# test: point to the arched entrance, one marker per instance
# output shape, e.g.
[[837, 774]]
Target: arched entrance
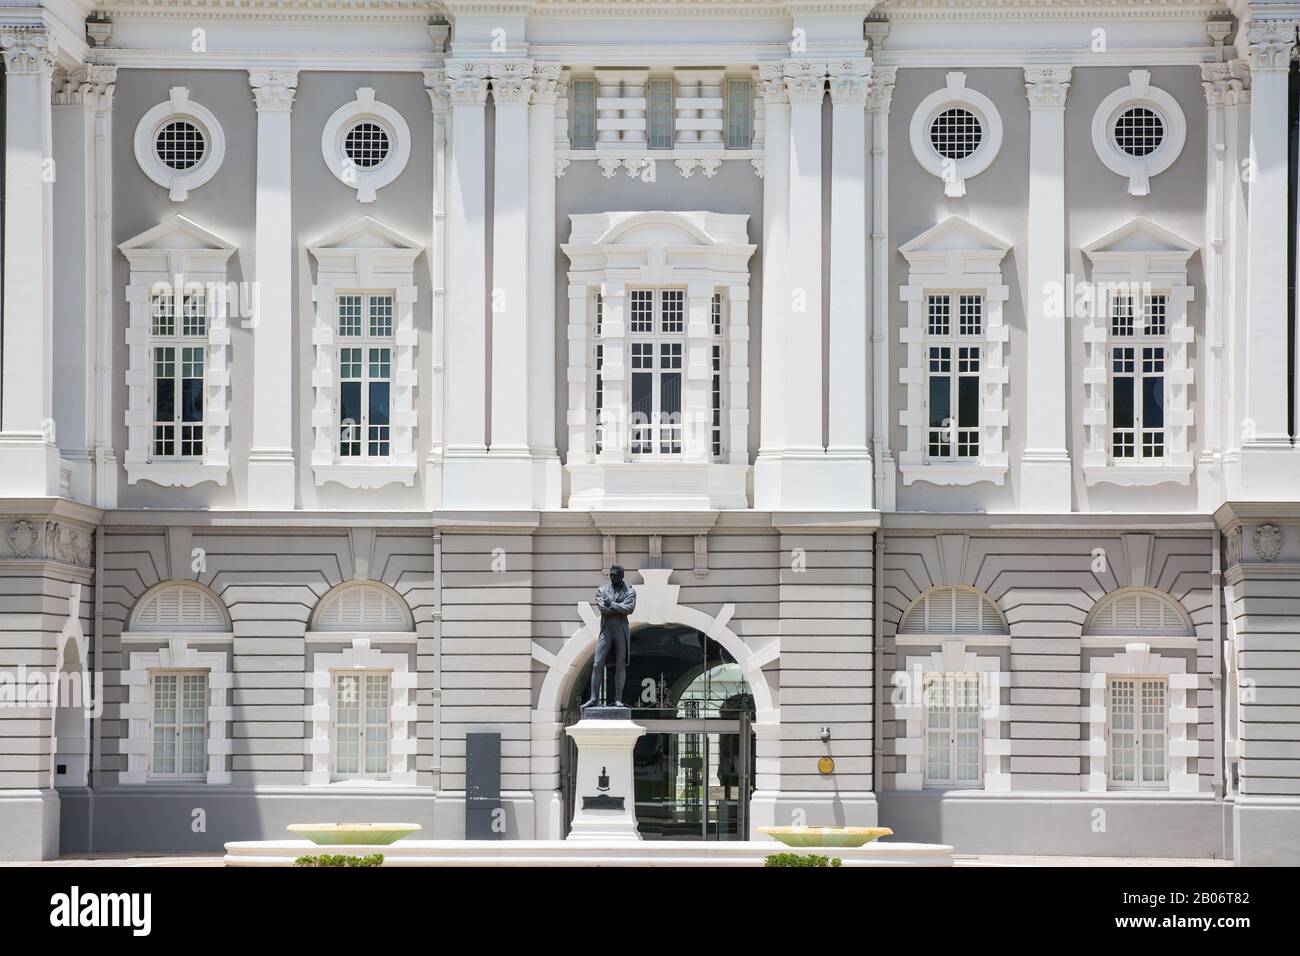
[[694, 767]]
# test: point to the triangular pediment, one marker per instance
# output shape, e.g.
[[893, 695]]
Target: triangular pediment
[[1140, 235], [177, 233], [955, 234], [365, 233]]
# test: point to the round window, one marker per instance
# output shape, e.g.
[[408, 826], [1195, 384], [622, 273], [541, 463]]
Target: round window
[[180, 144], [366, 144], [1139, 131], [956, 133]]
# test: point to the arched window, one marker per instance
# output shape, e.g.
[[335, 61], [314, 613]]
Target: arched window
[[180, 606], [953, 610], [362, 606], [1134, 612]]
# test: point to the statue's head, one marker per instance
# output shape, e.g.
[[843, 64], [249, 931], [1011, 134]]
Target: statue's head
[[616, 574]]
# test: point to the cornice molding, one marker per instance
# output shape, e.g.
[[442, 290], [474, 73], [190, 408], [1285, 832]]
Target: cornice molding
[[345, 11], [898, 11]]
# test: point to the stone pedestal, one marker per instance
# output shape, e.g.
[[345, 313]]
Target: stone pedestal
[[605, 797]]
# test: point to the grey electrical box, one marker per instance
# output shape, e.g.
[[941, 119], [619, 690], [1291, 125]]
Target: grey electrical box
[[483, 787]]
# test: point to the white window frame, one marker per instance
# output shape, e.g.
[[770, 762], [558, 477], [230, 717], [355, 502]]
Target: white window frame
[[177, 251], [178, 655], [612, 254], [955, 172], [954, 656], [365, 108], [1137, 659], [365, 257], [955, 685], [179, 106], [659, 352], [1140, 733], [363, 681], [1139, 259], [359, 654], [179, 773], [1138, 169], [375, 353], [954, 257]]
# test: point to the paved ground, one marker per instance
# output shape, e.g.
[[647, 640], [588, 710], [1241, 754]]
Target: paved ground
[[199, 859]]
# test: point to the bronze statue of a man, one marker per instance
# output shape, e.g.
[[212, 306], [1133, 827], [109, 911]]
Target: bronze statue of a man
[[616, 601]]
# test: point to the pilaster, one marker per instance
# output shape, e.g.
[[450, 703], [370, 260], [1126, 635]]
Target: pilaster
[[272, 483], [466, 327], [1045, 477], [29, 456], [848, 306], [1269, 463]]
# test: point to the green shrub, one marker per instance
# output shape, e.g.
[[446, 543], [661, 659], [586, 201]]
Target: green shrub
[[340, 859], [799, 859]]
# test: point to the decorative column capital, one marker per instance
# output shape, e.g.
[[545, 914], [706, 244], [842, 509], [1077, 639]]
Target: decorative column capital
[[467, 83], [89, 86], [805, 81], [435, 84], [771, 80], [273, 90], [28, 50], [1225, 84], [881, 93], [546, 83], [1046, 86], [512, 82], [1270, 43], [850, 80]]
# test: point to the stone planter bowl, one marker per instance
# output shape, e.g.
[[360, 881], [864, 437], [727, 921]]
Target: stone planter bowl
[[825, 836], [353, 834]]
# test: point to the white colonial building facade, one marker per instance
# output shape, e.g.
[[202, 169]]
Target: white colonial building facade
[[931, 367]]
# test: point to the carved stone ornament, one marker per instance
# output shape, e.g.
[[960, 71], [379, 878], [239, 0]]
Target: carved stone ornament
[[23, 538], [1268, 541]]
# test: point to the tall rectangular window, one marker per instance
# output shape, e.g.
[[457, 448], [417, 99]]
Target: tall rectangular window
[[1137, 378], [599, 403], [582, 114], [953, 734], [716, 381], [656, 366], [178, 356], [362, 724], [954, 324], [659, 114], [740, 114], [178, 724], [365, 354], [1138, 728]]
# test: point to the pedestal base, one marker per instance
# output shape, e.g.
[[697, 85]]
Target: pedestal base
[[605, 794]]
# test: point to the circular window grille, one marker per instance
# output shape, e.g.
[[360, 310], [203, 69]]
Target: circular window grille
[[1139, 131], [956, 133], [366, 144], [180, 144]]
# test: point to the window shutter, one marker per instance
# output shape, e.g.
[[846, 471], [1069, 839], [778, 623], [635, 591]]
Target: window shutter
[[1137, 613], [362, 607], [953, 611], [179, 607]]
